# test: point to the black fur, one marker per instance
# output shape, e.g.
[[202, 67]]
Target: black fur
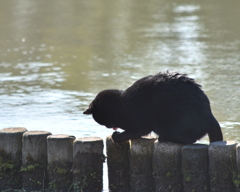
[[170, 104]]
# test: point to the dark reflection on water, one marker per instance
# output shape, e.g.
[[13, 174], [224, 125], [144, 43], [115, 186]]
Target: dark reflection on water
[[56, 55]]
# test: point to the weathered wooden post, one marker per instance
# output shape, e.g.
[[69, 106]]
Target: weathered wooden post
[[118, 165], [60, 159], [222, 165], [167, 166], [34, 160], [141, 155], [88, 161], [11, 157], [195, 168], [237, 177]]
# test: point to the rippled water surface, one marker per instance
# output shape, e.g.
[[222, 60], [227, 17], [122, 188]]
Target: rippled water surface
[[55, 56]]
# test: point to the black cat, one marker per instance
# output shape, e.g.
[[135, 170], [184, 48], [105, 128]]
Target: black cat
[[170, 104]]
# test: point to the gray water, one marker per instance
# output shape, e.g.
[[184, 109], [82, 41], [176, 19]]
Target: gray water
[[55, 56]]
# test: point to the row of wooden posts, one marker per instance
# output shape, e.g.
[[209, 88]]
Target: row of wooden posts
[[40, 161]]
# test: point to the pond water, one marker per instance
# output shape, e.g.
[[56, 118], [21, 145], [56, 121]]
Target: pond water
[[55, 56]]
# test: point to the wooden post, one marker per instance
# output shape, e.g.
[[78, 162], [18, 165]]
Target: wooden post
[[11, 157], [34, 160], [167, 166], [141, 154], [222, 165], [60, 159], [237, 177], [195, 168], [118, 165], [88, 161]]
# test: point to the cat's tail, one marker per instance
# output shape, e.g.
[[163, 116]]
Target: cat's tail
[[215, 133]]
